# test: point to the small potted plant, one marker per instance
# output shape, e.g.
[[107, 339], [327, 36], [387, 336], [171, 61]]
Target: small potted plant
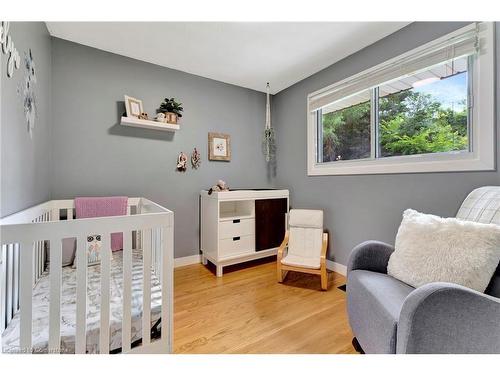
[[171, 109]]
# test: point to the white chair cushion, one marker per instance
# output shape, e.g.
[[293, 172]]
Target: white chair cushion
[[303, 262], [305, 242], [306, 218], [306, 239]]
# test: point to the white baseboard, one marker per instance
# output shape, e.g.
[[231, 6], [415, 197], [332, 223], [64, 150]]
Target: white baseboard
[[336, 267], [186, 261], [194, 259]]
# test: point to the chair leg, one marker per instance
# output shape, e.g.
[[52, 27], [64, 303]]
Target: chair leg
[[356, 346], [324, 279], [279, 273]]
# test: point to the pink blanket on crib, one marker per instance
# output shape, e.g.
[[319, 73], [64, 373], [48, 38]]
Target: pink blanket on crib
[[86, 207]]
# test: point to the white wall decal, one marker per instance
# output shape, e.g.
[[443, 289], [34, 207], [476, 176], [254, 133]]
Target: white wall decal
[[8, 48], [28, 91]]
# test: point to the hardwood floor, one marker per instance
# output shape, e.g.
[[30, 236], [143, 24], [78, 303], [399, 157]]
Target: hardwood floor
[[248, 311]]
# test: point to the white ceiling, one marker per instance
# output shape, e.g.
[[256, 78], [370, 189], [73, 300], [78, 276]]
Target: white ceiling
[[246, 54]]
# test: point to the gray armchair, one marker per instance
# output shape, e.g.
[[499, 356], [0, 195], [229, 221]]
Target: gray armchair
[[389, 316]]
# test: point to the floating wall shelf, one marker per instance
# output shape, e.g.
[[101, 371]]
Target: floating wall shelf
[[148, 124]]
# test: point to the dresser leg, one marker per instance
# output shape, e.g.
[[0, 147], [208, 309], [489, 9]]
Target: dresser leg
[[203, 260], [219, 271]]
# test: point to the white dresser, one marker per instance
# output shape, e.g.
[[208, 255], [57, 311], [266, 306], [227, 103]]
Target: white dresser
[[242, 225]]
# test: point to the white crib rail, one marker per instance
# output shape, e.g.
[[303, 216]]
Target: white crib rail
[[10, 269], [27, 234], [9, 283]]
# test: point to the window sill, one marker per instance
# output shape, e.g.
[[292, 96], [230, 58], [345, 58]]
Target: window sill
[[461, 162]]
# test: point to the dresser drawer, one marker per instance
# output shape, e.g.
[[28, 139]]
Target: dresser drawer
[[236, 245], [236, 228]]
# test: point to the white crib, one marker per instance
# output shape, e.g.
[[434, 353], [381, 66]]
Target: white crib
[[25, 236]]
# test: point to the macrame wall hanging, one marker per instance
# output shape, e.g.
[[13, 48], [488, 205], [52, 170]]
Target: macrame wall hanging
[[268, 141]]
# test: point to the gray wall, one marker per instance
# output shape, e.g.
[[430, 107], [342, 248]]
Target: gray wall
[[94, 155], [91, 154], [25, 161], [358, 208]]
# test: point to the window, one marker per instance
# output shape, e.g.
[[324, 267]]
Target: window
[[426, 111], [345, 128]]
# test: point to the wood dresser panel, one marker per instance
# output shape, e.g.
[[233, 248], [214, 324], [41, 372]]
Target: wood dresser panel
[[269, 222]]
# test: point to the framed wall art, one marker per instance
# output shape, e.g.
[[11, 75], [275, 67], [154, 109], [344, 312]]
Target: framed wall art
[[133, 106], [219, 147]]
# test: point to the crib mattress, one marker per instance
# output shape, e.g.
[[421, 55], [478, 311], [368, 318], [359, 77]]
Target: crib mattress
[[41, 299]]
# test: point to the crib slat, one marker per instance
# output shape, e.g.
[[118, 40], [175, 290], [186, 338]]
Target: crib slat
[[158, 251], [69, 214], [26, 284], [55, 295], [170, 287], [153, 242], [43, 255], [127, 291], [146, 287], [161, 238], [35, 250], [35, 259], [35, 255], [10, 281], [35, 262], [40, 262], [40, 258], [55, 214], [16, 279], [167, 287], [3, 287], [153, 247], [105, 283], [81, 296]]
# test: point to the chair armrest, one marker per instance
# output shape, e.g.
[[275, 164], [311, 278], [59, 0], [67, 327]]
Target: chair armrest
[[283, 246], [448, 318], [370, 256]]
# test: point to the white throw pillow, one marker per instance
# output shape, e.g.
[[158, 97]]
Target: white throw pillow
[[430, 248]]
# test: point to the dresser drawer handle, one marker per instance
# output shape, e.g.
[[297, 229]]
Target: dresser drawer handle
[[236, 238], [235, 221]]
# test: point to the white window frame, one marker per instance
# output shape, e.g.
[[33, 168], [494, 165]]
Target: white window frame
[[482, 127]]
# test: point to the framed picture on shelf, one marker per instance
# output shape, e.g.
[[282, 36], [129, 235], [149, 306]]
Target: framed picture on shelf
[[133, 106], [219, 147]]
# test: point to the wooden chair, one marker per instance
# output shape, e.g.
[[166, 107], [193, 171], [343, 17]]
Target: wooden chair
[[304, 246]]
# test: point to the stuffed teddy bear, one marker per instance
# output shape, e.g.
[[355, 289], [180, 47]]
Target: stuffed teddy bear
[[221, 186]]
